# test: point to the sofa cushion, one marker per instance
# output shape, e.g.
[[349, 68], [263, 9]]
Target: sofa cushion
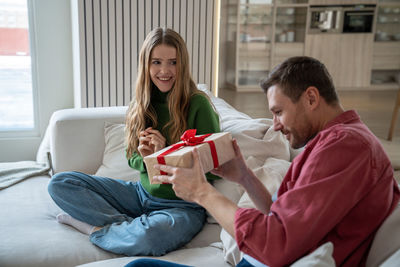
[[321, 257], [114, 164], [206, 256], [77, 137], [30, 234]]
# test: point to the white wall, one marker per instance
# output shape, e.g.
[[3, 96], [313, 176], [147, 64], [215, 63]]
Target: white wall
[[52, 23]]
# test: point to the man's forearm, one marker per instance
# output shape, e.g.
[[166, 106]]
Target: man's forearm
[[260, 196], [220, 207], [223, 209]]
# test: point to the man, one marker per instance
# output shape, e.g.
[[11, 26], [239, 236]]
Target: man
[[339, 189]]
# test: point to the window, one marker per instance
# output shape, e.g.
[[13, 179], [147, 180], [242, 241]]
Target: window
[[17, 112]]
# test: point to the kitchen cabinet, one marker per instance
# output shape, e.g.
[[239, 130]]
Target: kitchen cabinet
[[386, 56], [386, 49], [388, 22], [283, 51], [249, 36], [260, 34], [290, 24], [348, 63]]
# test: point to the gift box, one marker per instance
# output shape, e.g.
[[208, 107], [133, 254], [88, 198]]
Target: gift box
[[214, 149]]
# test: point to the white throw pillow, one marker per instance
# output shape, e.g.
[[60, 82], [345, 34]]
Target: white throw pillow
[[255, 137], [271, 173], [321, 257], [115, 165]]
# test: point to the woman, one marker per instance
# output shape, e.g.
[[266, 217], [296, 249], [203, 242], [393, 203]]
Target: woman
[[139, 218]]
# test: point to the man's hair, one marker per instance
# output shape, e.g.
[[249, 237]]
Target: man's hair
[[296, 74]]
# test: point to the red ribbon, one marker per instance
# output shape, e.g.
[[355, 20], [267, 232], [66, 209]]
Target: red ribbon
[[189, 138]]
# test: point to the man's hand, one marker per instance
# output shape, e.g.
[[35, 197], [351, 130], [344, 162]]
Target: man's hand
[[234, 170], [189, 184], [237, 171]]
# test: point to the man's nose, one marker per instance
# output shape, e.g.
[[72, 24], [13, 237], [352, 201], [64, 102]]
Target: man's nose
[[277, 124]]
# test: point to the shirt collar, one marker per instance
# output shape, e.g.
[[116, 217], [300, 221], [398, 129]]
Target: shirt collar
[[344, 118]]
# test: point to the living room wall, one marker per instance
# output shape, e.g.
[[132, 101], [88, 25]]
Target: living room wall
[[54, 80]]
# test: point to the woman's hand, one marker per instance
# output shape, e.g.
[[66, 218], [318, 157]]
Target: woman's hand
[[150, 141], [157, 140], [144, 146]]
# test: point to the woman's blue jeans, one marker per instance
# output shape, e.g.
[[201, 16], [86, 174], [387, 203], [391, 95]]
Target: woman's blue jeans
[[134, 222]]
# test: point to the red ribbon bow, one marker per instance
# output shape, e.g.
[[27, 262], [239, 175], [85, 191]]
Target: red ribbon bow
[[189, 138]]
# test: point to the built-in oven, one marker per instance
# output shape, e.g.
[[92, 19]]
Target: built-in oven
[[341, 19], [357, 19]]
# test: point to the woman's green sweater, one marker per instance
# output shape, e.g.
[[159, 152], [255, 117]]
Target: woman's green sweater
[[201, 116]]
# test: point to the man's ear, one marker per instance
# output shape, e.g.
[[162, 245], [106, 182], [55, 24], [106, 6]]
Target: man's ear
[[312, 97]]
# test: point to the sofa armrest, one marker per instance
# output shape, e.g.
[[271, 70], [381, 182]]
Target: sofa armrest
[[77, 137]]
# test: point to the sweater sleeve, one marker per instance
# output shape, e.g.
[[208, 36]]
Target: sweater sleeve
[[201, 116], [136, 162]]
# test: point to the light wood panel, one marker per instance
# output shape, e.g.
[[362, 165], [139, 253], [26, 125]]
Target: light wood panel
[[254, 49], [348, 57], [248, 63], [341, 2], [386, 55], [283, 51]]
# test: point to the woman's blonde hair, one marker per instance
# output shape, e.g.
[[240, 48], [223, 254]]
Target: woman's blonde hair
[[141, 114]]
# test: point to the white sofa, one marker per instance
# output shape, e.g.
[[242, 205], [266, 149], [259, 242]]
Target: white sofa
[[90, 140]]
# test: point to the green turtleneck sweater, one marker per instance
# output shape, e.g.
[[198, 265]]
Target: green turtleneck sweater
[[201, 116]]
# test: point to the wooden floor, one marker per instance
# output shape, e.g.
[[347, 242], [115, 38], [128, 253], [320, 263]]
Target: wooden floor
[[374, 107]]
